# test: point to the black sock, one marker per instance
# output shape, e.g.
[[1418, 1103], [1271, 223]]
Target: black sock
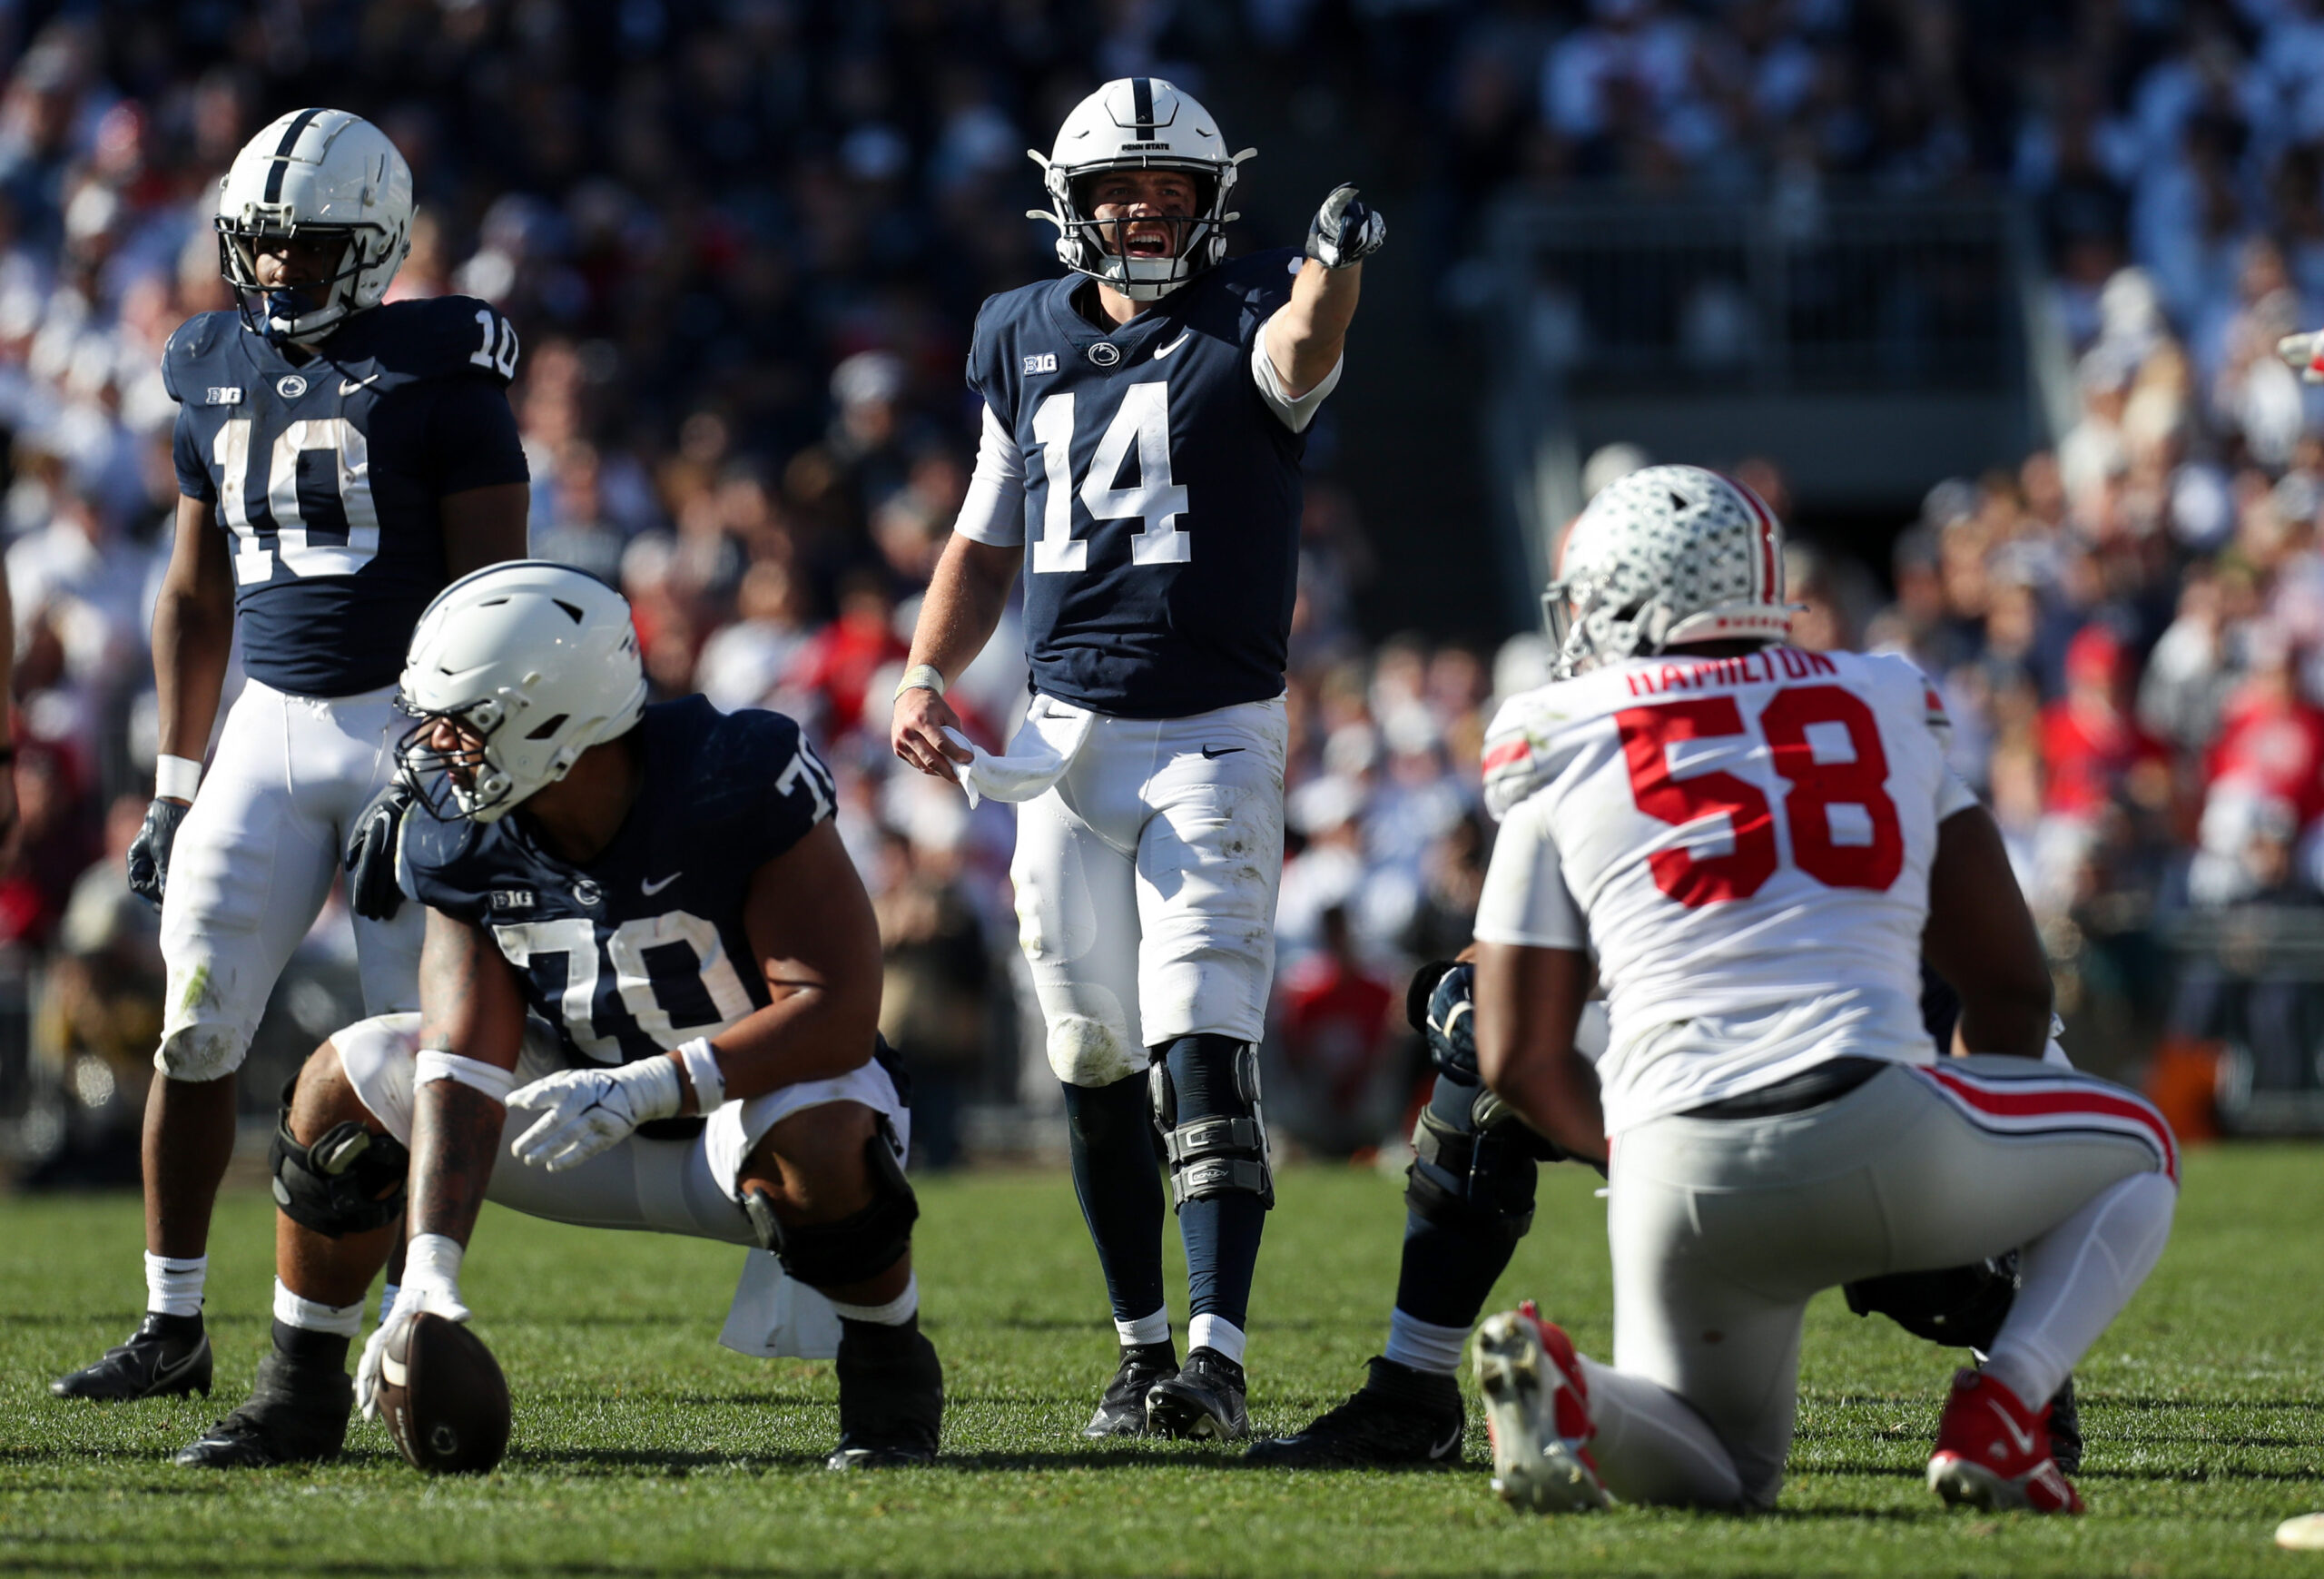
[[310, 1349], [877, 1340], [1111, 1132], [1221, 1231]]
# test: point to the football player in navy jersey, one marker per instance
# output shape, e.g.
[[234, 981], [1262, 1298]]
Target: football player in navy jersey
[[341, 460], [1143, 422], [664, 890]]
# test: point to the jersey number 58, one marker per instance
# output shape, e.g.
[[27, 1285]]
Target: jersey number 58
[[1870, 859]]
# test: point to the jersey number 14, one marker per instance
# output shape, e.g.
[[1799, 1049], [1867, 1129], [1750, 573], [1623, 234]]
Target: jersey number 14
[[1817, 789], [1155, 500]]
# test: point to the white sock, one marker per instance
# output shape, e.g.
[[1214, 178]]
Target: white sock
[[1652, 1447], [2075, 1279], [312, 1316], [173, 1285], [1150, 1328], [895, 1313], [1424, 1346], [388, 1292], [1215, 1332]]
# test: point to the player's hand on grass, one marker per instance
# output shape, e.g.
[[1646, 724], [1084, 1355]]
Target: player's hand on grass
[[918, 734], [431, 1283], [584, 1112], [1346, 231], [149, 854]]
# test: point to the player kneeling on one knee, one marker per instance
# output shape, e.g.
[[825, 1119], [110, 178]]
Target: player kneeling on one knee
[[651, 976], [1752, 847]]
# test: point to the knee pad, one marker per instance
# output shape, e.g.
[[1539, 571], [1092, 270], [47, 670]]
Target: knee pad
[[1223, 1150], [347, 1180], [863, 1244], [1960, 1306], [1476, 1177]]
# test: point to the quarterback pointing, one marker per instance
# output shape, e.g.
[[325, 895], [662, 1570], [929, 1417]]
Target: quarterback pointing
[[651, 972], [339, 461], [1752, 847], [1143, 422]]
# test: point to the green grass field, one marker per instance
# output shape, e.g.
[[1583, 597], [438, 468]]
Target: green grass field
[[643, 1447]]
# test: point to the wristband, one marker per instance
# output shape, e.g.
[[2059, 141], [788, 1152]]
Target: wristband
[[175, 778], [435, 1064], [921, 677], [700, 1061]]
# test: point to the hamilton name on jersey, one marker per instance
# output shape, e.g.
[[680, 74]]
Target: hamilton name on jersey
[[642, 947], [325, 469], [1162, 494]]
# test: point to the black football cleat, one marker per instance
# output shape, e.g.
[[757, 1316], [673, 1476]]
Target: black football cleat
[[2065, 1430], [891, 1405], [1203, 1402], [296, 1413], [1121, 1408], [1400, 1418], [165, 1356]]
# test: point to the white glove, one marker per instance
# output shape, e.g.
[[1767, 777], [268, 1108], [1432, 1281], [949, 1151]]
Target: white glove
[[2305, 352], [431, 1282], [584, 1112]]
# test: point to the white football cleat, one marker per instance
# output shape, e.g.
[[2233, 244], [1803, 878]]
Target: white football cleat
[[1536, 1409]]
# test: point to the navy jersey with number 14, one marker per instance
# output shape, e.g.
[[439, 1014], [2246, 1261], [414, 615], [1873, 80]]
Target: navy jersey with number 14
[[1162, 493]]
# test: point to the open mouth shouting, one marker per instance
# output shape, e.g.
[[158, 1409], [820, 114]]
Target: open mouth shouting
[[1150, 238]]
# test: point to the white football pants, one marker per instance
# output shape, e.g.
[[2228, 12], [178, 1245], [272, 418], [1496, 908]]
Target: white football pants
[[1721, 1228], [254, 860], [1146, 886]]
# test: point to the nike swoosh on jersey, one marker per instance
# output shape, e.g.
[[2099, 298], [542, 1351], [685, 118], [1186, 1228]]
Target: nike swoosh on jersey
[[1173, 345], [1213, 752], [651, 889], [347, 387]]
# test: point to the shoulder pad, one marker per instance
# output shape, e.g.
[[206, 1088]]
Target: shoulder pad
[[1517, 760], [194, 342], [1904, 676], [442, 337]]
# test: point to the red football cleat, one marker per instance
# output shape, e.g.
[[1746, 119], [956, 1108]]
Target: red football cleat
[[1993, 1453], [1537, 1411]]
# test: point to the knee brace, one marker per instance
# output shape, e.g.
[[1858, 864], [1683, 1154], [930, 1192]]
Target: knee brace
[[1477, 1175], [863, 1244], [1222, 1150], [347, 1180], [1960, 1307]]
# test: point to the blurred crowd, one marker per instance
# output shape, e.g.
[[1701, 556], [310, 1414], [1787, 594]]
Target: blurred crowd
[[744, 240]]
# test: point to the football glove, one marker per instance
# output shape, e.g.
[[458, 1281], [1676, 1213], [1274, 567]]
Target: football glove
[[1346, 231], [431, 1282], [149, 854], [2305, 352], [1449, 1024], [372, 891], [584, 1112]]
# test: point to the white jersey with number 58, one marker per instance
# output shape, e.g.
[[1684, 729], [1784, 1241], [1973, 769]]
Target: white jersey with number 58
[[1744, 842]]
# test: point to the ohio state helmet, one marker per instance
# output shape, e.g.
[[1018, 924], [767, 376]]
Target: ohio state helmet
[[536, 660], [1666, 556], [315, 174], [1137, 123]]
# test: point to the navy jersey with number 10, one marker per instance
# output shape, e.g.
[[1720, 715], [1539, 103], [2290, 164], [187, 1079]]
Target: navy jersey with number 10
[[325, 473], [1162, 493]]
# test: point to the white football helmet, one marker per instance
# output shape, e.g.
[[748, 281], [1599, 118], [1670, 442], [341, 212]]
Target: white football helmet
[[538, 661], [1139, 123], [1663, 558], [315, 173]]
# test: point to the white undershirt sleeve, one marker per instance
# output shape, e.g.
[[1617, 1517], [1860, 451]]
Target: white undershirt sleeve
[[1954, 795], [1294, 414], [993, 511], [1525, 899]]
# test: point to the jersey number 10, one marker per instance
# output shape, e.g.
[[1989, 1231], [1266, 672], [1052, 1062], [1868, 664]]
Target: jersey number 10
[[292, 521], [1816, 787]]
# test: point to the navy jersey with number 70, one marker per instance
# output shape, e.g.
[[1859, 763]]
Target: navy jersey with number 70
[[1162, 493], [325, 473], [642, 947]]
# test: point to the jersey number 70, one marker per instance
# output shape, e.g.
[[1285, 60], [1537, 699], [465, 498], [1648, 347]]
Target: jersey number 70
[[1815, 788]]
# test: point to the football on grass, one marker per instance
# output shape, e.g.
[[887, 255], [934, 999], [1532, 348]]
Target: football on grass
[[443, 1397]]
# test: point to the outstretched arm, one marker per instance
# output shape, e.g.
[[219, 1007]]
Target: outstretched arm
[[472, 1009], [957, 618]]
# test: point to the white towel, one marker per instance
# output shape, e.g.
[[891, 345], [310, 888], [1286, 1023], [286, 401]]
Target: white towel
[[1044, 748]]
